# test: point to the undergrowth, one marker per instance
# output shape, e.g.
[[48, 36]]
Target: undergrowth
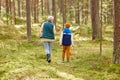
[[26, 60]]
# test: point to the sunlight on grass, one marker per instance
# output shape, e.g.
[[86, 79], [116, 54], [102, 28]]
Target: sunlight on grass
[[26, 60]]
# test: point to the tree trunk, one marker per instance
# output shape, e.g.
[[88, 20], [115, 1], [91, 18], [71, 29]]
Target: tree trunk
[[116, 52], [60, 6], [48, 7], [70, 10], [77, 13], [7, 10], [10, 10], [54, 10], [35, 11], [32, 8], [38, 10], [0, 8], [28, 19], [86, 13], [23, 13], [19, 8], [42, 7], [94, 6], [63, 6], [14, 13]]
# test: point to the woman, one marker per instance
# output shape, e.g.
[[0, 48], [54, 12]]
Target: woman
[[46, 34]]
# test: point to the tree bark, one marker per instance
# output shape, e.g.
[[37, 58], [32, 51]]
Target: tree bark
[[35, 11], [94, 6], [22, 5], [49, 7], [19, 8], [38, 10], [28, 19], [0, 8], [77, 13], [10, 11], [54, 10], [116, 52], [7, 10], [63, 6], [14, 13], [42, 7]]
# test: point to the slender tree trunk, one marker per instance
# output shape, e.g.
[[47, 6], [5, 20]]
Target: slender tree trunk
[[116, 52], [77, 13], [10, 6], [38, 10], [110, 13], [101, 28], [60, 3], [86, 13], [70, 10], [42, 7], [23, 14], [54, 10], [28, 19], [0, 8], [63, 11], [14, 13], [32, 8], [48, 7], [7, 10], [19, 8], [10, 10], [35, 11], [95, 19]]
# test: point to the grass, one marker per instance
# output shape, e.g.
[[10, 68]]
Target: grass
[[26, 60]]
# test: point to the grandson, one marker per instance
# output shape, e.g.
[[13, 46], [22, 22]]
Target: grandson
[[66, 40]]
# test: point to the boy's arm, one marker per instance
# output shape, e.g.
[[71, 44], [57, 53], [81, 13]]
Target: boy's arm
[[72, 40]]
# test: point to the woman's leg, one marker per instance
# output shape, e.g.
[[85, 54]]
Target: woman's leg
[[50, 46], [46, 46], [47, 50]]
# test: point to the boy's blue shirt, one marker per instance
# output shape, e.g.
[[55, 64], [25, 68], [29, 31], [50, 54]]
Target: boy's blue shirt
[[66, 40], [66, 30]]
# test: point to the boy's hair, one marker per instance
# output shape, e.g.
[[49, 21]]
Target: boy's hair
[[67, 25]]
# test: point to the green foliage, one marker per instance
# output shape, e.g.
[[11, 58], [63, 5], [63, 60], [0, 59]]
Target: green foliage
[[83, 30], [114, 69], [22, 59], [20, 20], [8, 32], [19, 58]]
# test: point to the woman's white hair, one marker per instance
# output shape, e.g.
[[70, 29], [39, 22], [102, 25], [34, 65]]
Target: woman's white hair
[[50, 18]]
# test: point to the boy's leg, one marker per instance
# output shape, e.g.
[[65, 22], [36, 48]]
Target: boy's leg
[[68, 53], [63, 53]]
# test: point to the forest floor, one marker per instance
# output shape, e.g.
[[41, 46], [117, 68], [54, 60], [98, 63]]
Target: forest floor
[[26, 60]]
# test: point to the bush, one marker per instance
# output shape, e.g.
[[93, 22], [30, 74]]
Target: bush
[[20, 20]]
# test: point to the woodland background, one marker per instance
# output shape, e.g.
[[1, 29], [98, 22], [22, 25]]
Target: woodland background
[[94, 23]]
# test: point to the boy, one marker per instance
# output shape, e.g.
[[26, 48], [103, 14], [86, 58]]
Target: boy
[[66, 40]]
